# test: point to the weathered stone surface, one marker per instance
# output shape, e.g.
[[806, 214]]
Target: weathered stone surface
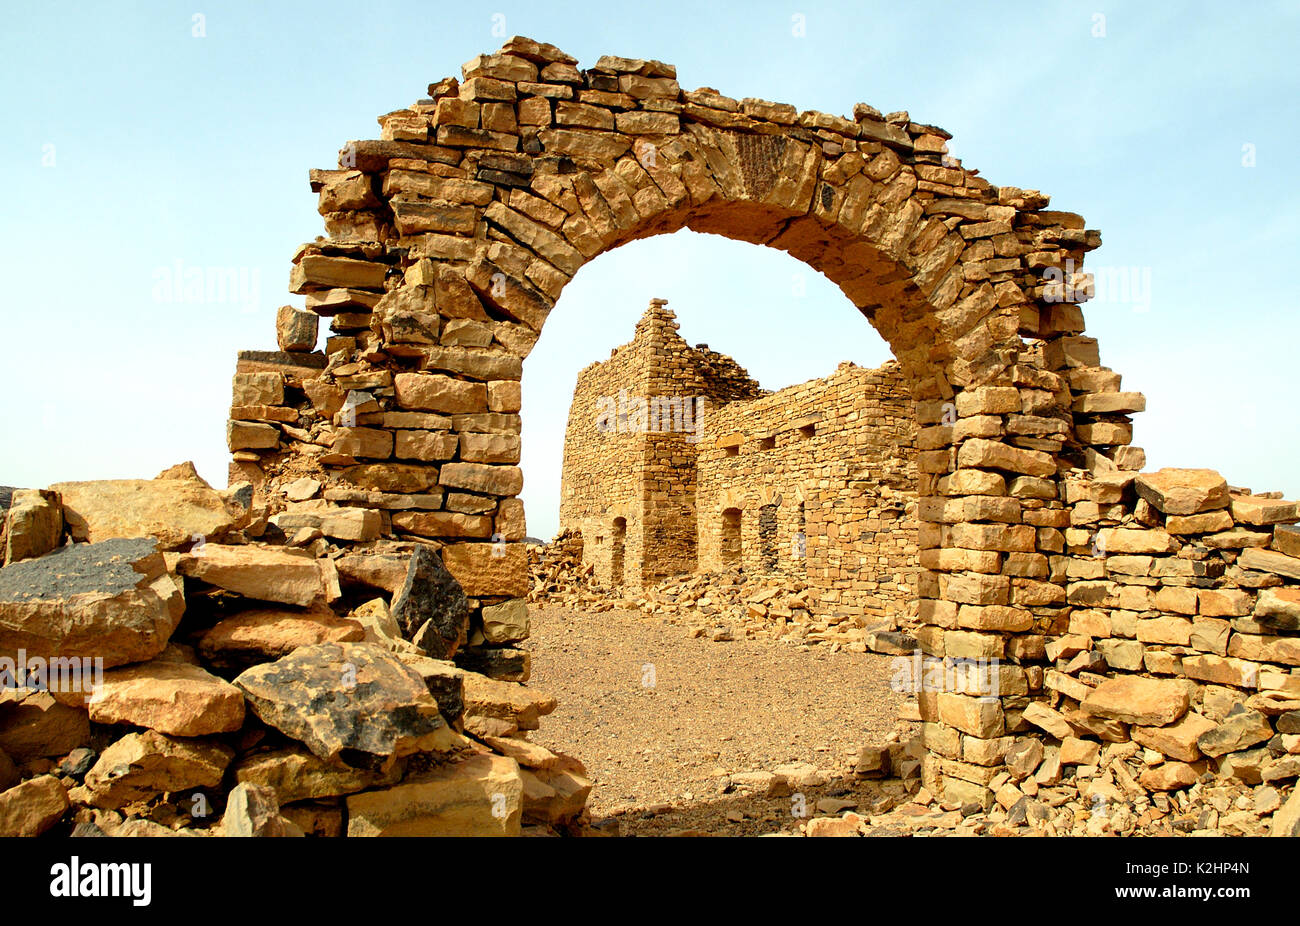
[[1239, 731], [555, 794], [478, 796], [252, 811], [293, 773], [110, 600], [445, 681], [1286, 821], [528, 755], [141, 766], [1177, 740], [33, 724], [1286, 539], [316, 272], [296, 330], [434, 392], [168, 696], [482, 477], [1271, 561], [1043, 717], [443, 524], [988, 454], [1144, 701], [1183, 491], [382, 571], [266, 634], [1260, 511], [519, 707], [1171, 776], [177, 512], [264, 573], [500, 662], [430, 607], [506, 622], [354, 702], [484, 569], [9, 775], [33, 525], [32, 807], [1279, 608]]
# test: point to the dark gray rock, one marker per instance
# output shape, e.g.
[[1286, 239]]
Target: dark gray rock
[[431, 608], [77, 763], [108, 567], [499, 662], [110, 600], [355, 702]]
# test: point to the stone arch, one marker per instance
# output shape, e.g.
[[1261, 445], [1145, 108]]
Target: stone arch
[[457, 230]]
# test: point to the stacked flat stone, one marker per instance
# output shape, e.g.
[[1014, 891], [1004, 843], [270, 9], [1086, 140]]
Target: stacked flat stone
[[451, 237], [300, 695]]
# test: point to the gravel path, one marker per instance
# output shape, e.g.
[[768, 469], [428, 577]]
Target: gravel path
[[661, 718]]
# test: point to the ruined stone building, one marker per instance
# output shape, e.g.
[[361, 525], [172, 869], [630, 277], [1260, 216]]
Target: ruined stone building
[[677, 461]]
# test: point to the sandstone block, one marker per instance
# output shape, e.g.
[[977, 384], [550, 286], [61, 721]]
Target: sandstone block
[[484, 478], [174, 511], [354, 702], [1143, 701], [296, 330], [506, 622], [140, 766], [266, 634], [435, 392], [1183, 491], [1270, 561], [169, 696], [262, 573], [33, 526], [293, 773], [478, 796], [32, 807], [109, 600]]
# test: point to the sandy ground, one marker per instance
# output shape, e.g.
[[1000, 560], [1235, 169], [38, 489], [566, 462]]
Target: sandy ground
[[662, 719]]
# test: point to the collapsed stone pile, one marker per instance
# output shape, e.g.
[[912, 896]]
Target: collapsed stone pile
[[724, 605], [167, 668], [560, 580]]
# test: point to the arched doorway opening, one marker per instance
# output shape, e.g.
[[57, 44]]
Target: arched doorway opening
[[618, 539], [729, 532]]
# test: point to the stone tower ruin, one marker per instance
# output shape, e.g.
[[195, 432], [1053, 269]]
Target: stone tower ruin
[[677, 461]]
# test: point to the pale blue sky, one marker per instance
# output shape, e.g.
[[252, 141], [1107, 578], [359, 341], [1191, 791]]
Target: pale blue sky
[[133, 147]]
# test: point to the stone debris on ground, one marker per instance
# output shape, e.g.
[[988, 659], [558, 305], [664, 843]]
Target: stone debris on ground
[[159, 680], [720, 606], [1143, 625]]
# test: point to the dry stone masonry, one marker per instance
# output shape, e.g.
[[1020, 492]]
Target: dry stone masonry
[[1128, 619], [676, 461], [174, 665], [451, 237]]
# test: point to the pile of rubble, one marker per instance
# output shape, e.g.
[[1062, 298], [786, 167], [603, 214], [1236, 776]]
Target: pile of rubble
[[719, 606], [167, 669], [729, 604], [878, 792], [560, 580]]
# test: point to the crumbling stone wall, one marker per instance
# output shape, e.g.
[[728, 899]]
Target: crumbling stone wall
[[452, 236], [830, 465], [630, 450]]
